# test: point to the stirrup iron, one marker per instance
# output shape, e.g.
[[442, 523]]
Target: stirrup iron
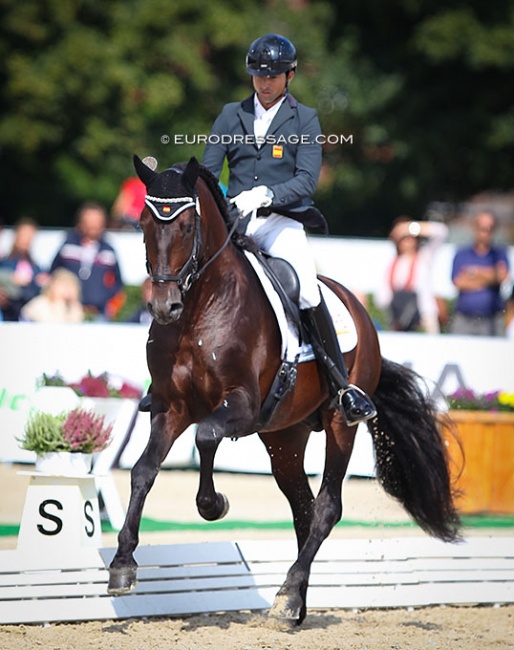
[[372, 412]]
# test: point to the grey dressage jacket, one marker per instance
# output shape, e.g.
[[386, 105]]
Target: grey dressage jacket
[[288, 162]]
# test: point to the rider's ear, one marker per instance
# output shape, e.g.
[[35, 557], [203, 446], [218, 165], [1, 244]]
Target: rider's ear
[[191, 174], [143, 171]]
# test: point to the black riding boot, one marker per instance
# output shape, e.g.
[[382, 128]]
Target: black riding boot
[[145, 404], [355, 405]]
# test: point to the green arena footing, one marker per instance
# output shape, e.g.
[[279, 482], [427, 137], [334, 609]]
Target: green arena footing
[[154, 525]]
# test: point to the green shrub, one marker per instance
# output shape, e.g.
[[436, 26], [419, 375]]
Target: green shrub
[[43, 433]]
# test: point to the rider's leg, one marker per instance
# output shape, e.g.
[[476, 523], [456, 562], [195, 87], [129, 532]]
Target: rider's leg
[[284, 237], [354, 403], [145, 404]]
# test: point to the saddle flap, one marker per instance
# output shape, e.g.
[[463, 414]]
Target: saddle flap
[[287, 277]]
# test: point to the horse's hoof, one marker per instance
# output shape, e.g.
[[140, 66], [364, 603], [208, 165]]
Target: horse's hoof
[[282, 615], [281, 624], [218, 511], [121, 581], [225, 505]]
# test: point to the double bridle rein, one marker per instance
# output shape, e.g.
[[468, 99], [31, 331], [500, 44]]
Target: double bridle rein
[[190, 271]]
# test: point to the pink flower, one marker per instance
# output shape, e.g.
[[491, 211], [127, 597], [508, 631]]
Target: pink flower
[[130, 392], [86, 432]]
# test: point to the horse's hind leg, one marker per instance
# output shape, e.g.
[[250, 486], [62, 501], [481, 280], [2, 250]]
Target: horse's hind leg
[[286, 450], [122, 570], [290, 602]]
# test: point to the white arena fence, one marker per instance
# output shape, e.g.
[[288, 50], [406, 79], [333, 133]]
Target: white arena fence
[[235, 576]]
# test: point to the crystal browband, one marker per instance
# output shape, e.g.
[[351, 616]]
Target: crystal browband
[[161, 207]]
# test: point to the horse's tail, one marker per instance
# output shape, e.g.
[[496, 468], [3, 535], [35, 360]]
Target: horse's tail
[[411, 458]]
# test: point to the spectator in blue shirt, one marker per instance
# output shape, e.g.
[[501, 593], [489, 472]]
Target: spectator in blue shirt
[[87, 254], [478, 272]]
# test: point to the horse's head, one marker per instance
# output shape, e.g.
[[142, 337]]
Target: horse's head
[[171, 227]]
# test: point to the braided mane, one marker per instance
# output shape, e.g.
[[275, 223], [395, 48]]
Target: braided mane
[[241, 241]]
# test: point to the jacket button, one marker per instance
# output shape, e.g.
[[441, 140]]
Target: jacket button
[[255, 178], [259, 156]]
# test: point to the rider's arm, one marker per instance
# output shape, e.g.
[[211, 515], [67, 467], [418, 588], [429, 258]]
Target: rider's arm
[[215, 151], [307, 165]]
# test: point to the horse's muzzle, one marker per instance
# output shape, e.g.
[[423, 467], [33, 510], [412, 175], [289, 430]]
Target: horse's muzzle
[[166, 311]]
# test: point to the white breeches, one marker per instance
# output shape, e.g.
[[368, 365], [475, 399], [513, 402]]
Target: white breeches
[[284, 237]]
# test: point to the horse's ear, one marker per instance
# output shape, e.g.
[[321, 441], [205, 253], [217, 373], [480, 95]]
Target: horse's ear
[[145, 173], [191, 174]]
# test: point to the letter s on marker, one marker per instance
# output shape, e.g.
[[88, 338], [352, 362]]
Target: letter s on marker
[[48, 515]]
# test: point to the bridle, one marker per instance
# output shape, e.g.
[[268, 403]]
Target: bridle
[[190, 271]]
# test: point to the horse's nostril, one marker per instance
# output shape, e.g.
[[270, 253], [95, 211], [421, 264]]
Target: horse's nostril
[[176, 309]]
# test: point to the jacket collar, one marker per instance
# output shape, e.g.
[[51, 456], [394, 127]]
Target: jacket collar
[[285, 112]]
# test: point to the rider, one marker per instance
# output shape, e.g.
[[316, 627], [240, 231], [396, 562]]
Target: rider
[[273, 150]]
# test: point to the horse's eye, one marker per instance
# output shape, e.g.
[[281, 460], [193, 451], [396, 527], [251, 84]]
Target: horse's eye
[[189, 229]]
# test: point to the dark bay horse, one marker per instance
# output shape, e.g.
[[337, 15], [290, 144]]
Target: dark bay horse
[[213, 352]]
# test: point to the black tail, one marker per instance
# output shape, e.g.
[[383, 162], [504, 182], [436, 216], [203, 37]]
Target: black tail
[[412, 463]]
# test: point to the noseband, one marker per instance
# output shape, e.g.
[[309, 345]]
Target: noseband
[[190, 271]]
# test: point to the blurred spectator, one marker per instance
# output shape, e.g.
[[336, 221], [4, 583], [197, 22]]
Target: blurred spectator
[[509, 316], [87, 254], [59, 301], [478, 272], [406, 292], [20, 277], [142, 315], [128, 205], [1, 229]]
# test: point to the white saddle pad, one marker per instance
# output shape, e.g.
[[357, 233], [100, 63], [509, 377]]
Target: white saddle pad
[[291, 349]]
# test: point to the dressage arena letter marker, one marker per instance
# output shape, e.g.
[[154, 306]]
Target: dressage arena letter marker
[[48, 515], [61, 514]]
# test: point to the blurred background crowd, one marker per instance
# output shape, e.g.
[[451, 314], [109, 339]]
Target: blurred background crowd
[[421, 92]]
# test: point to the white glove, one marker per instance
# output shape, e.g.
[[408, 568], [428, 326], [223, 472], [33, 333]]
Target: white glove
[[251, 200]]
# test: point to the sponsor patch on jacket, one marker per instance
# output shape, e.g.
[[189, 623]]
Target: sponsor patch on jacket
[[278, 151]]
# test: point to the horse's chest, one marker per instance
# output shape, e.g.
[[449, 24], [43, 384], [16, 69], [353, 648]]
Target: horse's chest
[[197, 369]]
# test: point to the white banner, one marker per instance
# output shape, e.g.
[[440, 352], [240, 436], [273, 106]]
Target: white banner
[[27, 350]]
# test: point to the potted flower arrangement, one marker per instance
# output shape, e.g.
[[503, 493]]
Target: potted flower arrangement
[[65, 443], [483, 458], [94, 386], [107, 395]]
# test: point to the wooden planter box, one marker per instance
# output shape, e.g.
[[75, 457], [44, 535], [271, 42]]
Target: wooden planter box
[[487, 478]]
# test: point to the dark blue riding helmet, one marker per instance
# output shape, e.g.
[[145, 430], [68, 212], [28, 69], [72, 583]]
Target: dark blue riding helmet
[[270, 55]]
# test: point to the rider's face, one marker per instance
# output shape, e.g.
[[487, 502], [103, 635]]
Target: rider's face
[[271, 89]]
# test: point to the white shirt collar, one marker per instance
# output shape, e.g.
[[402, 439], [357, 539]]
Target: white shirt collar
[[263, 118], [259, 110]]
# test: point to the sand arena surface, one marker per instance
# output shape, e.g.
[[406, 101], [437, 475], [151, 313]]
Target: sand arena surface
[[452, 628], [257, 498]]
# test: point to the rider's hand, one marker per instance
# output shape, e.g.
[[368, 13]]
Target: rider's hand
[[251, 200]]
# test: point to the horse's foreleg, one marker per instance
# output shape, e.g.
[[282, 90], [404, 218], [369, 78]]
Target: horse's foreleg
[[233, 417], [290, 602], [122, 570]]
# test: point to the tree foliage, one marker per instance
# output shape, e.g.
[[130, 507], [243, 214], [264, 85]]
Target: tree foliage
[[425, 89]]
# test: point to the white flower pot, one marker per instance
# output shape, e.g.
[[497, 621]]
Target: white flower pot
[[64, 463]]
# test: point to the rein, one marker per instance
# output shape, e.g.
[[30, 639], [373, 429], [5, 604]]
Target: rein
[[190, 272]]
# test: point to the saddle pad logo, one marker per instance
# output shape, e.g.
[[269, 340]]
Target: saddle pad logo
[[278, 151]]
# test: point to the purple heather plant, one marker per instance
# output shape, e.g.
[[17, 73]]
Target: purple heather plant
[[467, 399], [86, 432]]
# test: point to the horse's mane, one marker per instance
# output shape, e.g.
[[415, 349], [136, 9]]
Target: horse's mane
[[241, 241]]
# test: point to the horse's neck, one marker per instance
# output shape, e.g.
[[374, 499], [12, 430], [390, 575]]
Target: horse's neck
[[215, 232]]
